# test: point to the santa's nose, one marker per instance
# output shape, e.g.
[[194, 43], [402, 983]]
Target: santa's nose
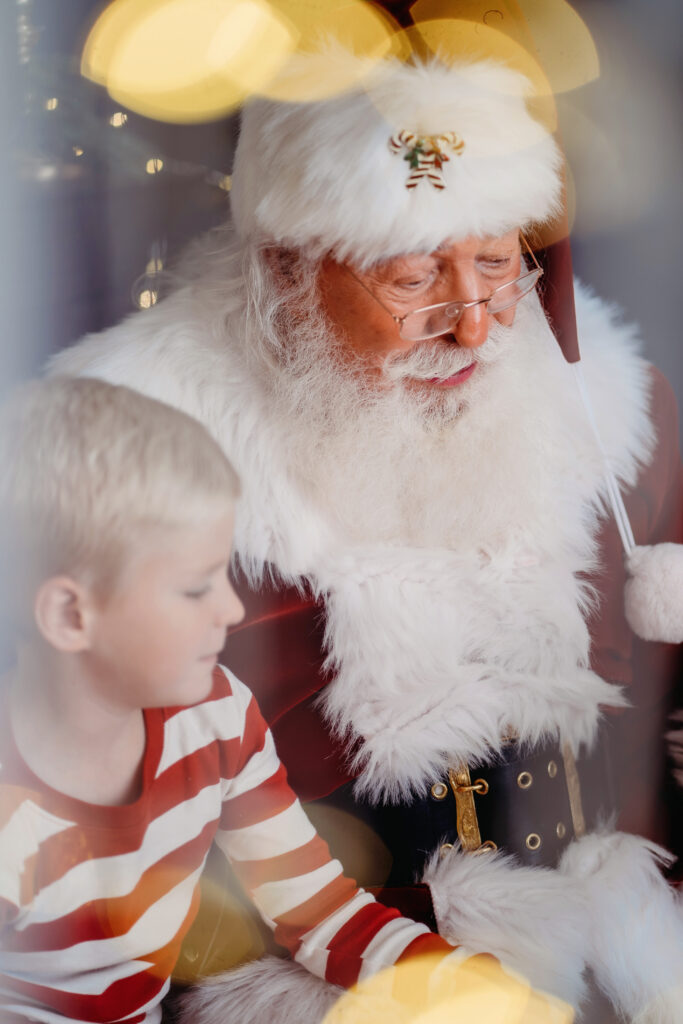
[[472, 329]]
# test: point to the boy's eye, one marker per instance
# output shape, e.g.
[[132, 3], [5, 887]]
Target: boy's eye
[[196, 594]]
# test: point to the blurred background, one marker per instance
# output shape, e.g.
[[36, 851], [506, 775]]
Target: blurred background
[[99, 198]]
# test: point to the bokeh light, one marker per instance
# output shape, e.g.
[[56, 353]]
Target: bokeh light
[[550, 31], [364, 855], [186, 61], [433, 990], [458, 39], [325, 26], [194, 60]]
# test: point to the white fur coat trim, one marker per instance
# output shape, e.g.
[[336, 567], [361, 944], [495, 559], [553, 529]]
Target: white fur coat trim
[[437, 656], [533, 919], [634, 925], [606, 908]]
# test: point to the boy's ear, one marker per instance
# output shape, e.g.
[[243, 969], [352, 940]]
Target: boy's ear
[[62, 613]]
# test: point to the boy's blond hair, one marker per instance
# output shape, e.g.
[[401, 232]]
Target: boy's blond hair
[[87, 469]]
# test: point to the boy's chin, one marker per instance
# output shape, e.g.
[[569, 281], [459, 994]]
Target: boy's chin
[[194, 691]]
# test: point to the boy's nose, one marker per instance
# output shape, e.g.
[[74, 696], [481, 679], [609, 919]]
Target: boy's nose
[[230, 609]]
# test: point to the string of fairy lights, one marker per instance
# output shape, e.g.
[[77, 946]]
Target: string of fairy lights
[[64, 138], [192, 62]]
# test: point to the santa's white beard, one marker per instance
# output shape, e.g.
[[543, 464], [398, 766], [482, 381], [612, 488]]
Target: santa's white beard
[[410, 463]]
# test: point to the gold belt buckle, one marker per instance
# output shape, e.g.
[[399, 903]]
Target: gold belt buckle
[[466, 820]]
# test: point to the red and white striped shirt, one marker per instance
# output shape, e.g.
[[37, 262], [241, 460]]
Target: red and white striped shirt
[[95, 900]]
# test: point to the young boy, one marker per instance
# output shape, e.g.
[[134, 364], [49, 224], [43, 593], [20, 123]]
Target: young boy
[[125, 751]]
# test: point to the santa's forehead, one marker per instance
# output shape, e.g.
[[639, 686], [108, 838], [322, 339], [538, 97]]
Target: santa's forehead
[[455, 249]]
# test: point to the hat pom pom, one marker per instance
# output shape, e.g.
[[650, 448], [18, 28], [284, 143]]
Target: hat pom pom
[[653, 597]]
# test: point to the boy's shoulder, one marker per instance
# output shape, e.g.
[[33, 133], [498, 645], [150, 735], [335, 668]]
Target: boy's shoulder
[[214, 733]]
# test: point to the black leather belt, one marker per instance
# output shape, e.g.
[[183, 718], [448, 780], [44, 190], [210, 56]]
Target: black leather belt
[[527, 804], [530, 803]]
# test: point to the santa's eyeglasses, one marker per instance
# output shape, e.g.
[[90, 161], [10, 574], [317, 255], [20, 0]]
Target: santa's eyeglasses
[[431, 321]]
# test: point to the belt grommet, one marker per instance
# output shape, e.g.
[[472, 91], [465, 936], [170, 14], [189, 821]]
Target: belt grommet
[[533, 841], [439, 790], [481, 787], [444, 848], [552, 769], [561, 830], [524, 780]]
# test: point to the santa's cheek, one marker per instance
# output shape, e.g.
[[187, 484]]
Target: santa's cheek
[[507, 317]]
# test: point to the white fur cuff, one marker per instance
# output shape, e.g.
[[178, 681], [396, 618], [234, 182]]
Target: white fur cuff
[[532, 919], [267, 990], [635, 927]]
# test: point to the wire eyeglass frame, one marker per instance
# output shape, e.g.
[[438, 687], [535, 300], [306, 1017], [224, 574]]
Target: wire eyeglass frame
[[512, 292]]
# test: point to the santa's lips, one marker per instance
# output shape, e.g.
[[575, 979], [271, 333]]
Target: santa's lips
[[453, 381]]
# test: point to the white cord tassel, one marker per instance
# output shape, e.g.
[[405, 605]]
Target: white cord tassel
[[653, 597], [614, 494]]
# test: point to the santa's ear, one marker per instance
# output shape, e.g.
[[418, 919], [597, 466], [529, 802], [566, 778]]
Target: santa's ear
[[62, 613]]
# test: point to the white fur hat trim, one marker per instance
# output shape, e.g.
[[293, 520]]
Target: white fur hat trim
[[653, 598], [322, 174]]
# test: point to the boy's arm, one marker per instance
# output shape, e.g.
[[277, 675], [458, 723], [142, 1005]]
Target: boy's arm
[[331, 927]]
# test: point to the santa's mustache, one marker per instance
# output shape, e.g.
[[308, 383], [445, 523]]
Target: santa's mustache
[[441, 358]]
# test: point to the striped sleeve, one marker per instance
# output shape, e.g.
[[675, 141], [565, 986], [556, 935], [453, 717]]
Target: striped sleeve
[[333, 928]]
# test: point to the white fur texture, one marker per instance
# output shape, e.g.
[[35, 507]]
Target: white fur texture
[[323, 166], [634, 927], [653, 598], [436, 656], [533, 919], [267, 990]]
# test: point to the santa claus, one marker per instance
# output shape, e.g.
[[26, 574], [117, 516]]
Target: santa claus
[[433, 583]]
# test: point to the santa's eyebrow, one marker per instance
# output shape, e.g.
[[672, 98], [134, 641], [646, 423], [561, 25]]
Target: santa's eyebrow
[[400, 264]]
